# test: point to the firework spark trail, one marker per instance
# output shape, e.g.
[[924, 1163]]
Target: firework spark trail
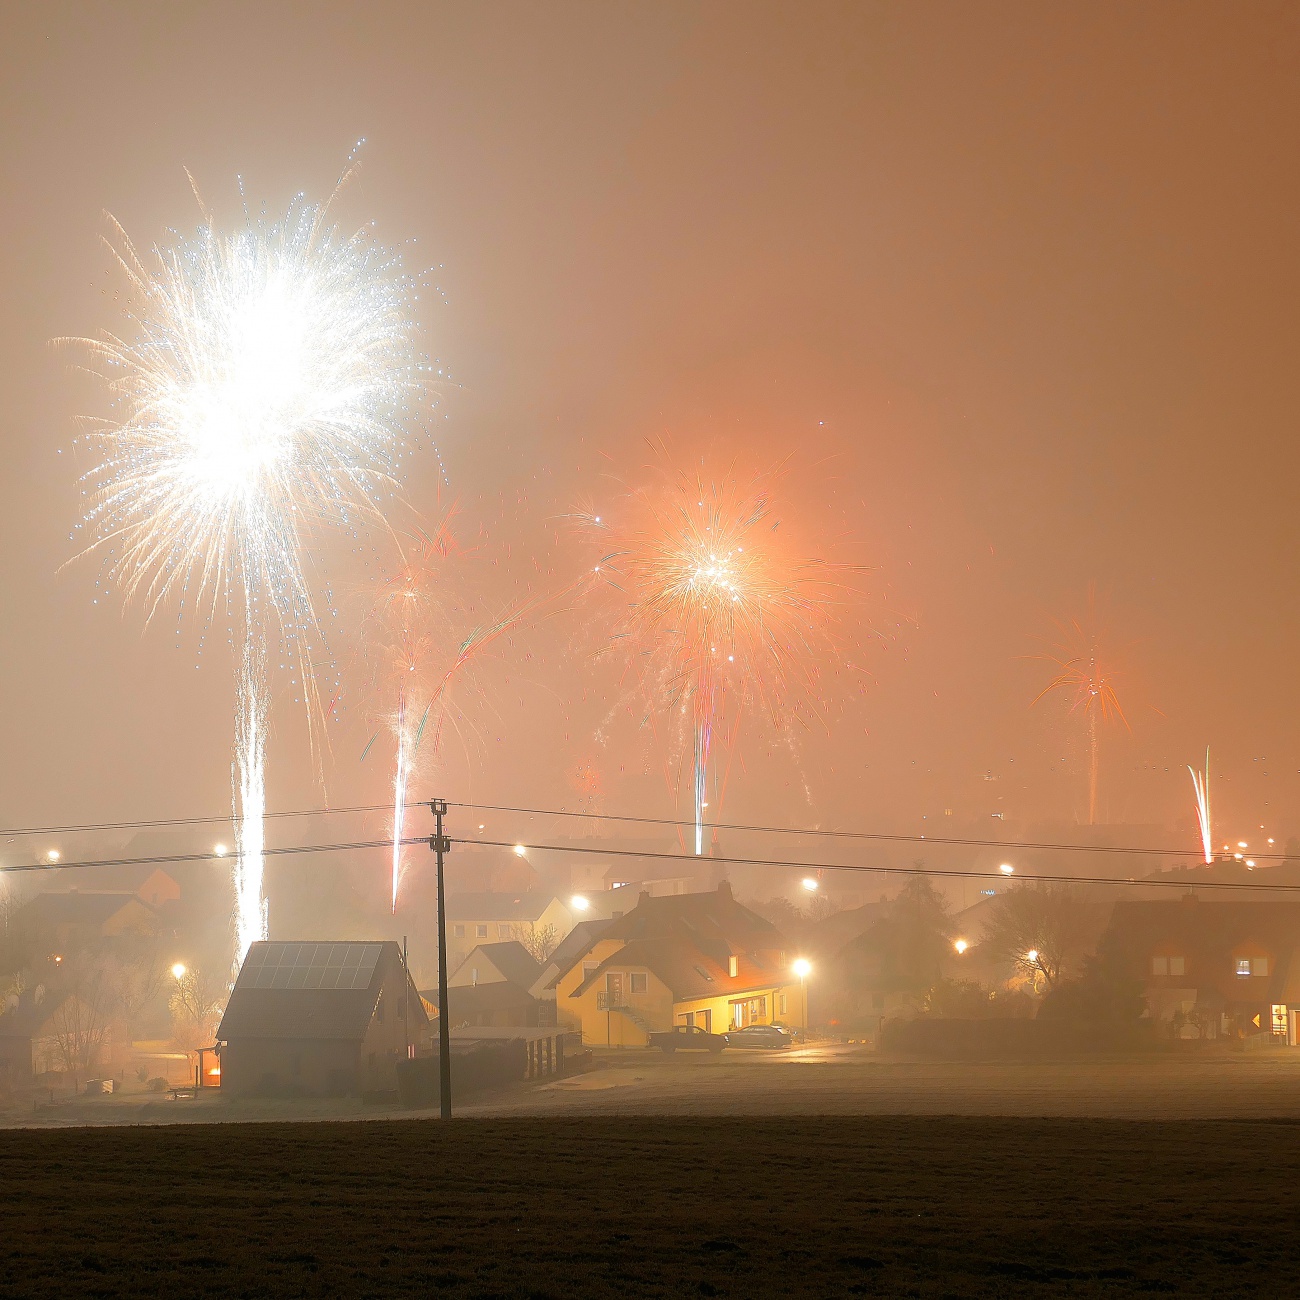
[[1092, 689], [416, 640], [715, 614], [264, 394], [1201, 784]]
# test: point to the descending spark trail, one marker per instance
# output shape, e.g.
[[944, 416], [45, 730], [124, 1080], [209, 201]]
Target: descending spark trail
[[1201, 784], [421, 650], [1091, 686], [714, 612], [262, 395]]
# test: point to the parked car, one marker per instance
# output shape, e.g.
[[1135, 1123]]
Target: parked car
[[765, 1036], [689, 1038]]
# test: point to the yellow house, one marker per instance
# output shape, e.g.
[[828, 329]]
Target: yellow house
[[688, 959]]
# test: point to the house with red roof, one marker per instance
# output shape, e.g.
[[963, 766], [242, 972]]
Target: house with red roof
[[680, 959]]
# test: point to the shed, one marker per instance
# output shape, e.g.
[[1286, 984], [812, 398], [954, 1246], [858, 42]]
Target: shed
[[315, 1019]]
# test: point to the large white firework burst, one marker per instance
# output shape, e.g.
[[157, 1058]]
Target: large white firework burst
[[264, 391]]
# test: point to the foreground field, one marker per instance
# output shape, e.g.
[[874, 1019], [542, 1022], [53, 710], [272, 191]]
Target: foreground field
[[653, 1207], [827, 1080]]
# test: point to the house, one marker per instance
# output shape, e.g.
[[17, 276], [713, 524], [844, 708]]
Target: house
[[536, 918], [1211, 969], [320, 1019], [53, 1036], [492, 987], [69, 922], [685, 959]]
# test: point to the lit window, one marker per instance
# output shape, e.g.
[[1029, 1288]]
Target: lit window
[[783, 1004], [733, 966], [1159, 965], [1243, 965], [638, 981], [1177, 966], [1279, 1019]]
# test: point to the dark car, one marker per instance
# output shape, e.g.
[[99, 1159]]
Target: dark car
[[766, 1036], [690, 1038]]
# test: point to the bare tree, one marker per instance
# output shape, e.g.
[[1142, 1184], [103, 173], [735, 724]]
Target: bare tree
[[81, 1025], [196, 1004], [1039, 929], [135, 973], [540, 941]]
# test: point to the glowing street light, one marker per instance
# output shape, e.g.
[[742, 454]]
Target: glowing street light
[[220, 850], [1007, 869], [802, 967], [579, 904], [1032, 956], [960, 946], [520, 850], [178, 970], [52, 855], [810, 884]]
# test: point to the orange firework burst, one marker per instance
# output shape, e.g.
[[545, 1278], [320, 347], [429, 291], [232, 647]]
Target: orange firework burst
[[716, 613], [1082, 672]]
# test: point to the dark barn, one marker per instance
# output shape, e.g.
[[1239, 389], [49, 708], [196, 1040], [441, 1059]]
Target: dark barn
[[314, 1019]]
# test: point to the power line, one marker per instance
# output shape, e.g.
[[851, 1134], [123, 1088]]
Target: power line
[[154, 823], [891, 871], [872, 836], [160, 859]]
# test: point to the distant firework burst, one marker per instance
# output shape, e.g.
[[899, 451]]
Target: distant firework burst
[[421, 641], [263, 392], [715, 613], [1088, 680]]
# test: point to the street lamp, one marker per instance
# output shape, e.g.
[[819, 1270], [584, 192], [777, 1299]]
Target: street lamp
[[810, 884], [178, 971], [803, 968], [960, 946], [220, 850], [578, 903], [1007, 869], [520, 850]]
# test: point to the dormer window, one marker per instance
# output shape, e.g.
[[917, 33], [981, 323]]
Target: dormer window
[[1247, 966], [733, 966], [1168, 966]]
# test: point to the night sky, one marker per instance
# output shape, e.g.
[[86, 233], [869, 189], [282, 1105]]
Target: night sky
[[1014, 287]]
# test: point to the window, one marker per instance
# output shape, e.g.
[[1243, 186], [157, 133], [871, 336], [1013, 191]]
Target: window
[[1177, 966], [639, 982], [1279, 1019], [458, 931], [1243, 965], [1159, 965], [784, 1005], [503, 931], [733, 966], [480, 931], [1252, 966]]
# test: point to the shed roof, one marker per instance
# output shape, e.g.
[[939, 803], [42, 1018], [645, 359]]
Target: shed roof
[[518, 966], [310, 991]]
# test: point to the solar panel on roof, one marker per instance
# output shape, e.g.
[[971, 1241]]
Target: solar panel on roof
[[310, 966]]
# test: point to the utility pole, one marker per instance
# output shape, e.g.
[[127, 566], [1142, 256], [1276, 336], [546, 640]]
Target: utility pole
[[441, 846]]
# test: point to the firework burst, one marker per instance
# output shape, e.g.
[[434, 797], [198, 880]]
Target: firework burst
[[716, 615], [262, 392], [1090, 685], [421, 644]]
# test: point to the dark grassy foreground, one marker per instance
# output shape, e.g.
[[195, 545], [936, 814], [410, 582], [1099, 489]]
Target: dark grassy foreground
[[604, 1206]]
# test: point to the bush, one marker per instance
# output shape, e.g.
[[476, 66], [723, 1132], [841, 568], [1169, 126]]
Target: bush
[[157, 1085]]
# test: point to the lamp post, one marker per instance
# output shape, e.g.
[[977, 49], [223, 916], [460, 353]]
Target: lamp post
[[441, 845], [803, 967]]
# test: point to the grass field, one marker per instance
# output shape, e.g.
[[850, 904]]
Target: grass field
[[645, 1206]]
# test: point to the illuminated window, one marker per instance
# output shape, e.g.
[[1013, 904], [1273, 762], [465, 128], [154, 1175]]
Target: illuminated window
[[1279, 1019], [1243, 965], [784, 1007], [733, 966], [639, 982]]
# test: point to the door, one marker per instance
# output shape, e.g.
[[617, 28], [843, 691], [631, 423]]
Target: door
[[614, 988]]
